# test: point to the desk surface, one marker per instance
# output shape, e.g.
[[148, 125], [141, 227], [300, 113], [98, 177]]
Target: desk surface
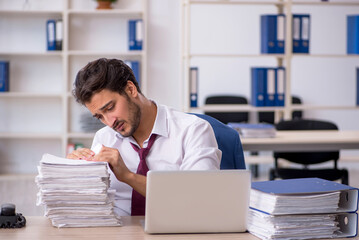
[[40, 228], [304, 140]]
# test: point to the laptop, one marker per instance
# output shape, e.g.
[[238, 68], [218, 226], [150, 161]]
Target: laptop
[[197, 201]]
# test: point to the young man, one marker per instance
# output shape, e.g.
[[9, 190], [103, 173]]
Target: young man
[[140, 134]]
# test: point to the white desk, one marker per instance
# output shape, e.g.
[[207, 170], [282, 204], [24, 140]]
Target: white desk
[[304, 141], [40, 228]]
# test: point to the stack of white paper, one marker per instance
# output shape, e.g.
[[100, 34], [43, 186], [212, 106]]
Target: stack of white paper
[[76, 192], [259, 130]]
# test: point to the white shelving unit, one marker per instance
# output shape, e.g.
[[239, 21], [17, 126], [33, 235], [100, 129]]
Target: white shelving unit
[[39, 114], [288, 7]]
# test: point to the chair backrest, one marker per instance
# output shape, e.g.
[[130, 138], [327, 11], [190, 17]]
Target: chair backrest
[[226, 117], [268, 117], [228, 142], [307, 158]]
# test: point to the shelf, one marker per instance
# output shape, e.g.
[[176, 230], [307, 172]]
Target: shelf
[[44, 136], [31, 12], [226, 2], [218, 55], [250, 108], [29, 95], [122, 12], [33, 54], [102, 53], [326, 3]]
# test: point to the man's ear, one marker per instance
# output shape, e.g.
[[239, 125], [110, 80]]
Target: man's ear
[[131, 89]]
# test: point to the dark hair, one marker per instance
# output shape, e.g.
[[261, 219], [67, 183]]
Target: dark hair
[[111, 74]]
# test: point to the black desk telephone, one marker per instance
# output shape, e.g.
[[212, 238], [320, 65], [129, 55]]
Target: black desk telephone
[[10, 219]]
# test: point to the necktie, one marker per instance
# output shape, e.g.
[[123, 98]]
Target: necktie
[[138, 201]]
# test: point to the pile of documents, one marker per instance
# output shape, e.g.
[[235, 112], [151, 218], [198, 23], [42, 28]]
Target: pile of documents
[[304, 208], [259, 130], [76, 193]]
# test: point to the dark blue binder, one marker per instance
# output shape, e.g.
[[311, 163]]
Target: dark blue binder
[[270, 97], [135, 34], [272, 33], [4, 76], [310, 186], [304, 33], [296, 34], [358, 86], [353, 34], [193, 86], [258, 86], [135, 66], [280, 87], [51, 34]]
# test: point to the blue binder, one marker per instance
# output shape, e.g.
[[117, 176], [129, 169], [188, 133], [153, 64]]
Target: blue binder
[[135, 34], [271, 87], [135, 66], [353, 34], [304, 33], [193, 86], [310, 186], [4, 76], [280, 87], [272, 33], [258, 86], [357, 86], [51, 34], [296, 34]]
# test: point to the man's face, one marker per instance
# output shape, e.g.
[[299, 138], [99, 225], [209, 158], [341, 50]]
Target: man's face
[[116, 111]]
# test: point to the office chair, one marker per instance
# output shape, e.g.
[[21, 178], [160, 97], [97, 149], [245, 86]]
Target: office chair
[[308, 158], [228, 142], [226, 117], [268, 117]]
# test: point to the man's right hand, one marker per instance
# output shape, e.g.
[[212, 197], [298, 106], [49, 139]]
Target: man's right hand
[[82, 153]]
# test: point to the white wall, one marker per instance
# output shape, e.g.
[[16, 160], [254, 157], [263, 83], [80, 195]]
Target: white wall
[[318, 81]]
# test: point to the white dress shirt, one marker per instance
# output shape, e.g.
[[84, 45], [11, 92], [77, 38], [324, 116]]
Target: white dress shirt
[[184, 142]]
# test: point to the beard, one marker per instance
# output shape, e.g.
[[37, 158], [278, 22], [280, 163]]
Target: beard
[[134, 118]]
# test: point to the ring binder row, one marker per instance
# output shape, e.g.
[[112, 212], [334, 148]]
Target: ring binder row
[[267, 86], [54, 34], [273, 33], [304, 208], [135, 66]]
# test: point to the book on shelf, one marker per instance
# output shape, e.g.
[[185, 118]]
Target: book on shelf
[[59, 34], [51, 34], [357, 87], [54, 34], [280, 87], [353, 34], [76, 193], [90, 124], [135, 34], [267, 86], [301, 33], [250, 130], [193, 86], [135, 66], [272, 33], [4, 76], [302, 208]]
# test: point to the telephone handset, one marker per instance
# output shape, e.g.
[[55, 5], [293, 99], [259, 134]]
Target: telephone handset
[[10, 219]]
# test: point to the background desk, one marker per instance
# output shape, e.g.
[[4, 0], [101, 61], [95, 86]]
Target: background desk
[[304, 140], [40, 228]]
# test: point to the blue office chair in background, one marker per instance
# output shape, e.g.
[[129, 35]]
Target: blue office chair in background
[[228, 142]]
